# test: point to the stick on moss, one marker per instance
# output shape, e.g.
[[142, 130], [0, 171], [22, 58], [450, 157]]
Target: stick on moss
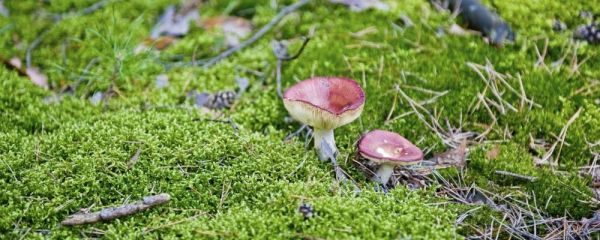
[[112, 213]]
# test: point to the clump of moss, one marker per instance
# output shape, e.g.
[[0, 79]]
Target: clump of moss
[[59, 157]]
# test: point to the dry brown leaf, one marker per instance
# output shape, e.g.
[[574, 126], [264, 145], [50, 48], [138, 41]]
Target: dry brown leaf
[[453, 157], [162, 42], [37, 77], [34, 74], [15, 62], [171, 25], [159, 44], [176, 23], [234, 28]]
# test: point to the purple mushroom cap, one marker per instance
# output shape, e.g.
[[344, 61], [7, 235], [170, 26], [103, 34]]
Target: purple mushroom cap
[[389, 147], [325, 102]]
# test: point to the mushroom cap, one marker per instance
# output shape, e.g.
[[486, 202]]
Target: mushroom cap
[[325, 102], [389, 147]]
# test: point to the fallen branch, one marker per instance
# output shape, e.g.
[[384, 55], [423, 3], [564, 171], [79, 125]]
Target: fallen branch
[[264, 30], [112, 213]]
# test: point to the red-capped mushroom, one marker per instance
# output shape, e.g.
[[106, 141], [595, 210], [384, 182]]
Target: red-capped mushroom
[[325, 103], [390, 150]]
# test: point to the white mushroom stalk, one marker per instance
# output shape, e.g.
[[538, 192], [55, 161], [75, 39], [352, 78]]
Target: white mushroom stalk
[[384, 173], [325, 103], [324, 136]]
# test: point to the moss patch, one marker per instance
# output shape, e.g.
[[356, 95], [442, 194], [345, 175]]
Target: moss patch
[[59, 157]]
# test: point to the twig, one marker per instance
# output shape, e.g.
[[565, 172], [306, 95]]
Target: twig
[[511, 174], [264, 30], [32, 46], [296, 133], [112, 213], [281, 53]]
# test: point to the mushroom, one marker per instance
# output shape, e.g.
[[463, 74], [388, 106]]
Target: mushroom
[[389, 150], [325, 103]]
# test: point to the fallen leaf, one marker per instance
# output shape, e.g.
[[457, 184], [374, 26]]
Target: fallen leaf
[[159, 44], [361, 5], [34, 74], [37, 77], [454, 157], [234, 28], [176, 23], [15, 62]]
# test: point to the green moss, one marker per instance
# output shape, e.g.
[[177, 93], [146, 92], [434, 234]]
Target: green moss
[[59, 157]]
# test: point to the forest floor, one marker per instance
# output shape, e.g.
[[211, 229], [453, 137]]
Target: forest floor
[[105, 121]]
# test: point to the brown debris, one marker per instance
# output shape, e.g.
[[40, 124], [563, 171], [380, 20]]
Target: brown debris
[[401, 176], [416, 176], [171, 25], [112, 213], [452, 158], [521, 219], [33, 73], [409, 178], [234, 28], [258, 34]]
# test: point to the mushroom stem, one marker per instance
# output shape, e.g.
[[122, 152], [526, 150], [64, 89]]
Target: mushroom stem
[[326, 135], [384, 173]]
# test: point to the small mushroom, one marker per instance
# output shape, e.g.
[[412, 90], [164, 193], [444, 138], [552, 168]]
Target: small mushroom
[[325, 103], [389, 150]]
